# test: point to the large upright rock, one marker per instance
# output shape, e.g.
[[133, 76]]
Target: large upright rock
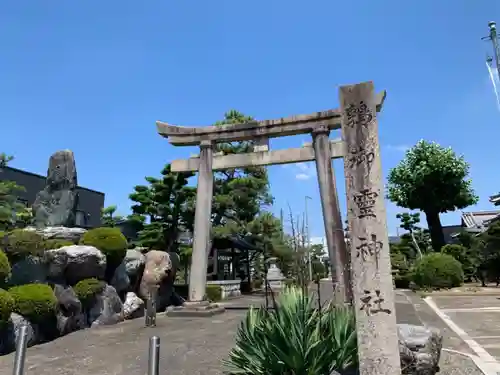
[[56, 204]]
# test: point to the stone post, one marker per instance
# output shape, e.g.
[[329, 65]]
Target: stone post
[[202, 224], [378, 348], [331, 214]]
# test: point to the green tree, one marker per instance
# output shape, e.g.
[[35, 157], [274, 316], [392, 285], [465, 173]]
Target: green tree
[[109, 217], [432, 179], [163, 209], [9, 205], [409, 222], [239, 193]]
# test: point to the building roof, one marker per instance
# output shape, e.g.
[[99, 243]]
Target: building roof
[[479, 219]]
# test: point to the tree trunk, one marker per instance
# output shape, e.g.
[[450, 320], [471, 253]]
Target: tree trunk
[[435, 229]]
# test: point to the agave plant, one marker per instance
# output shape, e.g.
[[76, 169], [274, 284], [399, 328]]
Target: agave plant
[[295, 338]]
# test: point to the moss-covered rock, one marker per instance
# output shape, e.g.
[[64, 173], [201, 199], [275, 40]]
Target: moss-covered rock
[[56, 244], [36, 302], [19, 243], [111, 242], [5, 268], [86, 290], [6, 307]]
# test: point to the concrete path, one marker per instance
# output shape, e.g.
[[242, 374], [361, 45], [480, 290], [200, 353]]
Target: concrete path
[[189, 346], [476, 320]]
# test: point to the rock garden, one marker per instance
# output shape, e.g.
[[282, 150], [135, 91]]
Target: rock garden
[[59, 285]]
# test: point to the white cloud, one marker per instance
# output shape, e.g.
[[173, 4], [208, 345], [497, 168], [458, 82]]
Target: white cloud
[[303, 171], [399, 148], [302, 176]]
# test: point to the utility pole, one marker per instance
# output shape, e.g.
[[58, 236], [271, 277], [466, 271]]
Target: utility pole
[[494, 40], [308, 240]]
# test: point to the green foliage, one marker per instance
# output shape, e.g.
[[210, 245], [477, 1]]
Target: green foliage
[[56, 244], [401, 270], [35, 302], [5, 268], [162, 209], [87, 289], [438, 271], [467, 257], [488, 249], [433, 179], [110, 241], [109, 217], [295, 338], [239, 193], [6, 307], [19, 243], [214, 293], [9, 204]]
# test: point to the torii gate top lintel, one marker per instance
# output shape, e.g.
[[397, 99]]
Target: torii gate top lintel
[[300, 124]]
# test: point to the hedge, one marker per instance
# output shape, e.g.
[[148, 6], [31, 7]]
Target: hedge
[[437, 270], [56, 244], [214, 293]]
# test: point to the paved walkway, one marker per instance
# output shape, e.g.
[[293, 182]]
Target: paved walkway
[[189, 346], [476, 320]]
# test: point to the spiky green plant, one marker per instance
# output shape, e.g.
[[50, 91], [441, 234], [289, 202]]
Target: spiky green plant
[[295, 338]]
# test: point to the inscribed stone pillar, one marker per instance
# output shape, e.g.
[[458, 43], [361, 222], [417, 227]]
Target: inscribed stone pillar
[[202, 224], [378, 348], [331, 214]]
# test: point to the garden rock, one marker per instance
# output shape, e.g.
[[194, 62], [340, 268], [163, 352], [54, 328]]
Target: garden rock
[[133, 262], [420, 349], [120, 280], [60, 233], [67, 299], [107, 309], [74, 263], [17, 322], [29, 270], [156, 269], [133, 307], [72, 323]]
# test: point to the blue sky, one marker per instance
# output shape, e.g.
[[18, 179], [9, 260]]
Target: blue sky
[[94, 76]]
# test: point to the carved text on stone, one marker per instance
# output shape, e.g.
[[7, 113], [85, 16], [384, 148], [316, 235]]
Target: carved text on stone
[[365, 201], [369, 248], [360, 155], [358, 115], [372, 303]]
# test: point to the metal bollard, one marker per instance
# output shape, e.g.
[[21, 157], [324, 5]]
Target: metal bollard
[[20, 357], [151, 307], [154, 356]]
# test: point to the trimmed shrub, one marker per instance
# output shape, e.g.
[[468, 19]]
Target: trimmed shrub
[[214, 293], [5, 268], [87, 289], [437, 270], [467, 257], [6, 306], [400, 270], [36, 302], [56, 244], [111, 242], [19, 243]]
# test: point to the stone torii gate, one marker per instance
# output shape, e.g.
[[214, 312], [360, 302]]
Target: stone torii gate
[[363, 278]]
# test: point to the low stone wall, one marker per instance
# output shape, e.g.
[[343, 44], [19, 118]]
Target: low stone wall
[[229, 288]]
